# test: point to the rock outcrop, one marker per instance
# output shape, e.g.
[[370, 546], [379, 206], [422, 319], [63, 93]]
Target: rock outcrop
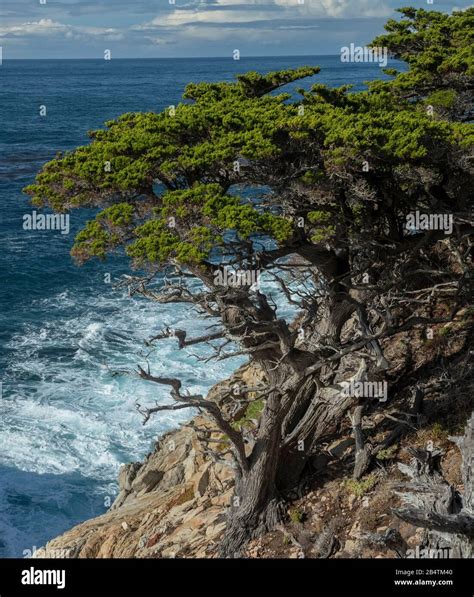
[[173, 504]]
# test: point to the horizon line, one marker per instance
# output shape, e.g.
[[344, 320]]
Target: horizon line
[[182, 57]]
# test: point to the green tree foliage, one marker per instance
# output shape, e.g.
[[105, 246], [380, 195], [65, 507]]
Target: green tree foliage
[[185, 164], [439, 48]]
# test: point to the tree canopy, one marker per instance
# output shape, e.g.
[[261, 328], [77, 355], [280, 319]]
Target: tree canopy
[[185, 162]]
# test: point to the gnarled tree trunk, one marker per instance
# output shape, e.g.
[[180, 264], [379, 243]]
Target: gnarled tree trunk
[[255, 508]]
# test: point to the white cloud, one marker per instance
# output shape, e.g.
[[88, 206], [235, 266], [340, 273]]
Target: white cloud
[[180, 17], [41, 27], [229, 13], [49, 28]]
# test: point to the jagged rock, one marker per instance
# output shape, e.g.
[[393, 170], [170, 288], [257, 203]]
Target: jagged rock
[[350, 545], [190, 464], [175, 476], [119, 500], [212, 531], [146, 481], [127, 474], [201, 482]]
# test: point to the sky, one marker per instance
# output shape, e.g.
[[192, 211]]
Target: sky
[[193, 28]]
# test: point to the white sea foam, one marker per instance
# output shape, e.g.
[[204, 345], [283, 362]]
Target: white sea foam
[[68, 421]]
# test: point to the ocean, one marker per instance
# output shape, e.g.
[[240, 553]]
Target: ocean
[[66, 422]]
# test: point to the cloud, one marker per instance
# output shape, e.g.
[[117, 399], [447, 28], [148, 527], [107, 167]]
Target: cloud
[[256, 23], [41, 27], [19, 9], [50, 29], [255, 13]]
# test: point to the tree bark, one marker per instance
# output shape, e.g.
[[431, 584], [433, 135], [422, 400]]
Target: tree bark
[[362, 450], [255, 506]]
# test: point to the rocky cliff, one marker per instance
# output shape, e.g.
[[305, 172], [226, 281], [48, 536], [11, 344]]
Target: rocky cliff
[[170, 505], [173, 504]]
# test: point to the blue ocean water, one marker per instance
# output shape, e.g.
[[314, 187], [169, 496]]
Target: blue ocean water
[[66, 423]]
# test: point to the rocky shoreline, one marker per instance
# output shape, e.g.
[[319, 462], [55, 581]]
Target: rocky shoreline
[[173, 504]]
